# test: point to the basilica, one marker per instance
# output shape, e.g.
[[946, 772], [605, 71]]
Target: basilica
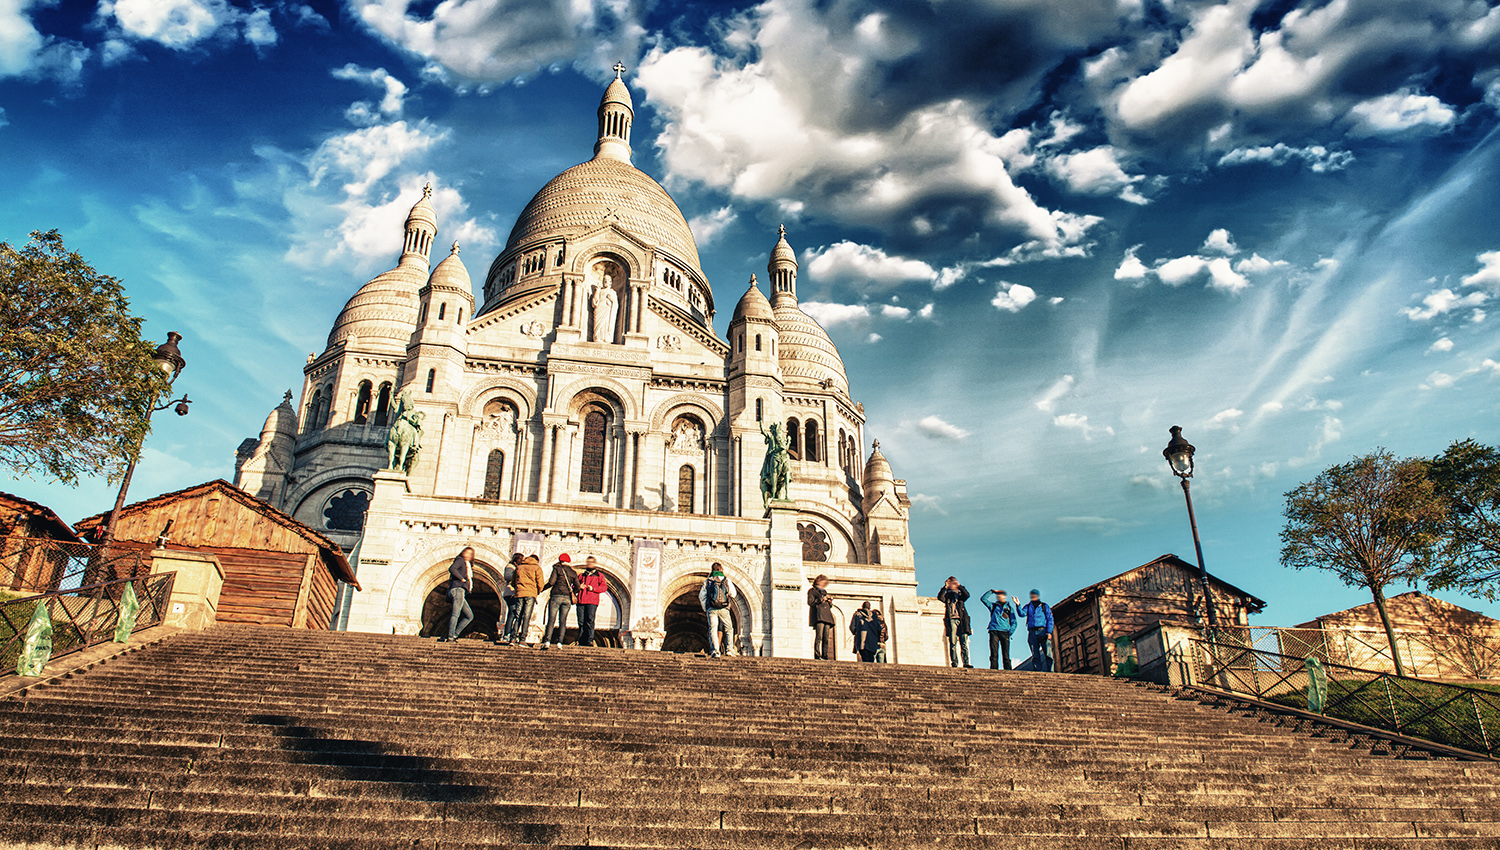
[[585, 404]]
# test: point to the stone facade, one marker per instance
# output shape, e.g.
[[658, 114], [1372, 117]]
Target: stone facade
[[586, 405]]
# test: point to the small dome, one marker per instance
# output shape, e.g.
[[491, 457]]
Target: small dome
[[879, 479], [453, 275], [807, 356], [422, 211], [384, 311], [753, 305], [783, 252], [619, 93], [281, 423]]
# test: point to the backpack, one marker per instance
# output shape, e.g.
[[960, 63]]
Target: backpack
[[718, 594]]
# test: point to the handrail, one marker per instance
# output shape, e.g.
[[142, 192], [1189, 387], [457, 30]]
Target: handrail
[[1452, 655], [82, 617], [1454, 715]]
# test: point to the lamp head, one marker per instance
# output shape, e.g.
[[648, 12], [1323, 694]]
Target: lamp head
[[1179, 454], [168, 358]]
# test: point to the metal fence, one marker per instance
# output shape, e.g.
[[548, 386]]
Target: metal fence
[[1455, 715], [1425, 656], [42, 565], [82, 617]]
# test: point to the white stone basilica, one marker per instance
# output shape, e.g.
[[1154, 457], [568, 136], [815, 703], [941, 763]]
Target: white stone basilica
[[587, 406]]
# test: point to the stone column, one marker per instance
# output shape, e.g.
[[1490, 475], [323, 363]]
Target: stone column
[[791, 637], [369, 609]]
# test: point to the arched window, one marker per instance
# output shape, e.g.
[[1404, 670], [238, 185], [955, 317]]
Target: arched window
[[362, 403], [843, 452], [442, 310], [431, 379], [595, 435], [460, 316], [325, 407], [383, 406], [760, 410], [493, 472], [810, 431], [422, 316], [757, 342], [314, 409], [794, 439], [687, 479]]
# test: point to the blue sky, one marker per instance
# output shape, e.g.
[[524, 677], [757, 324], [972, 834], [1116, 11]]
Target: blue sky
[[1040, 232]]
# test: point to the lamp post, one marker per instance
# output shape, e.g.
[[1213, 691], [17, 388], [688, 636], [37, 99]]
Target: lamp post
[[1179, 455], [169, 360]]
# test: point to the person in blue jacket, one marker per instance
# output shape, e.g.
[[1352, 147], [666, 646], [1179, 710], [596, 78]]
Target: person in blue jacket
[[1002, 626], [1038, 616]]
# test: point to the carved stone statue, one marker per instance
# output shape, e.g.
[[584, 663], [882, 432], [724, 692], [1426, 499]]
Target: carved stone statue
[[686, 438], [606, 306], [776, 472], [403, 442]]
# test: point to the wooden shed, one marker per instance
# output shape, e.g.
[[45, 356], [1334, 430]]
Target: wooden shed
[[277, 570], [1089, 621], [36, 546], [1436, 639]]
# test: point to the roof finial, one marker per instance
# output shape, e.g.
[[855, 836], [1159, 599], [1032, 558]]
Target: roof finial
[[427, 190], [753, 281], [619, 69], [782, 231], [876, 447], [287, 398], [455, 246]]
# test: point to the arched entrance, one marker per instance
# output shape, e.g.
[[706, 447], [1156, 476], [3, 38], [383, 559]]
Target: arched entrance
[[485, 603], [686, 625]]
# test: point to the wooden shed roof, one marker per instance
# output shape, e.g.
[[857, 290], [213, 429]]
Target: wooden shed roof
[[1253, 602], [332, 555], [10, 502]]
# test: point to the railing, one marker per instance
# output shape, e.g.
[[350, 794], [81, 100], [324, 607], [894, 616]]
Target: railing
[[32, 565], [1453, 715], [1425, 656], [82, 617]]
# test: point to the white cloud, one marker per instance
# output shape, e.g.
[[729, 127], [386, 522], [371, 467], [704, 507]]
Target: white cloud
[[503, 39], [1096, 171], [1220, 242], [258, 29], [925, 312], [925, 501], [1271, 407], [1227, 418], [4, 122], [1221, 275], [1048, 400], [1477, 316], [1055, 300], [1080, 423], [829, 314], [1256, 264], [1131, 267], [869, 268], [874, 338], [1400, 111], [1316, 157], [1013, 297], [1154, 482], [1441, 345], [393, 91], [1102, 525], [707, 227], [182, 24], [26, 52], [1488, 275], [936, 428], [1439, 381], [891, 311], [1442, 301], [368, 154]]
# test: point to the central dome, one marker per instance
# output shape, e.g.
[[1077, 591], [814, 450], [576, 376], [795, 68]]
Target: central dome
[[602, 189]]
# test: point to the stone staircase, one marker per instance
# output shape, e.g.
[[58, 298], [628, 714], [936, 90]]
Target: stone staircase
[[246, 737]]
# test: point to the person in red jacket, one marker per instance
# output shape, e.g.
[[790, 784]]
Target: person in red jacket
[[591, 586]]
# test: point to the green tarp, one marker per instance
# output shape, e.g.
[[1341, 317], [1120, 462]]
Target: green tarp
[[130, 608], [36, 649], [1317, 686]]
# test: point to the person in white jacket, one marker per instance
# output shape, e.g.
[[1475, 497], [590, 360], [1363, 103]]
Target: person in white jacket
[[716, 595]]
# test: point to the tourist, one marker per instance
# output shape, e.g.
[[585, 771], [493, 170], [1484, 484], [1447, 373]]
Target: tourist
[[528, 587], [877, 623], [564, 585], [1002, 626], [505, 626], [715, 596], [460, 585], [869, 632], [590, 586], [956, 621], [1038, 617], [820, 617]]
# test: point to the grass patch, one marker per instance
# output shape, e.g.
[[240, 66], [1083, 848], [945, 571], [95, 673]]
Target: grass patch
[[1405, 706]]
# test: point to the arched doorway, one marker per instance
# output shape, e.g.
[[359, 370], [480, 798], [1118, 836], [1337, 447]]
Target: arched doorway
[[686, 625], [485, 603]]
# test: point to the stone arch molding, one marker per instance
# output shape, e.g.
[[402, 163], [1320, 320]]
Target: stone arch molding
[[686, 569], [710, 412], [474, 397], [428, 561], [631, 258], [296, 497], [630, 406]]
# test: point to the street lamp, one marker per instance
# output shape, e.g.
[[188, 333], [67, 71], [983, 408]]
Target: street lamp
[[1179, 455], [170, 361]]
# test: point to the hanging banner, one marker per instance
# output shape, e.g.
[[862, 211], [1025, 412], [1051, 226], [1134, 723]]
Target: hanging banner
[[36, 650], [645, 592], [130, 609], [528, 543]]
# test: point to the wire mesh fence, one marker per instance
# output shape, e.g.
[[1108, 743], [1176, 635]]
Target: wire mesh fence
[[1424, 655], [1455, 715], [82, 616], [30, 565]]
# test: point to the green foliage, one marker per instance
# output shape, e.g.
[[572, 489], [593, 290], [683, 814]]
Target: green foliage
[[1467, 476], [76, 379]]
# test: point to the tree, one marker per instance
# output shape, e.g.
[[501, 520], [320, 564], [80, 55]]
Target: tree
[[1467, 477], [76, 378], [1373, 521]]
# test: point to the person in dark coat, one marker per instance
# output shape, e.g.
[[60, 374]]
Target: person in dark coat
[[820, 617], [877, 624], [564, 585], [867, 632], [460, 585], [956, 621]]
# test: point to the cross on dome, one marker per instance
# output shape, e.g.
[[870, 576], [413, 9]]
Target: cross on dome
[[455, 246], [427, 190], [618, 69], [781, 229]]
